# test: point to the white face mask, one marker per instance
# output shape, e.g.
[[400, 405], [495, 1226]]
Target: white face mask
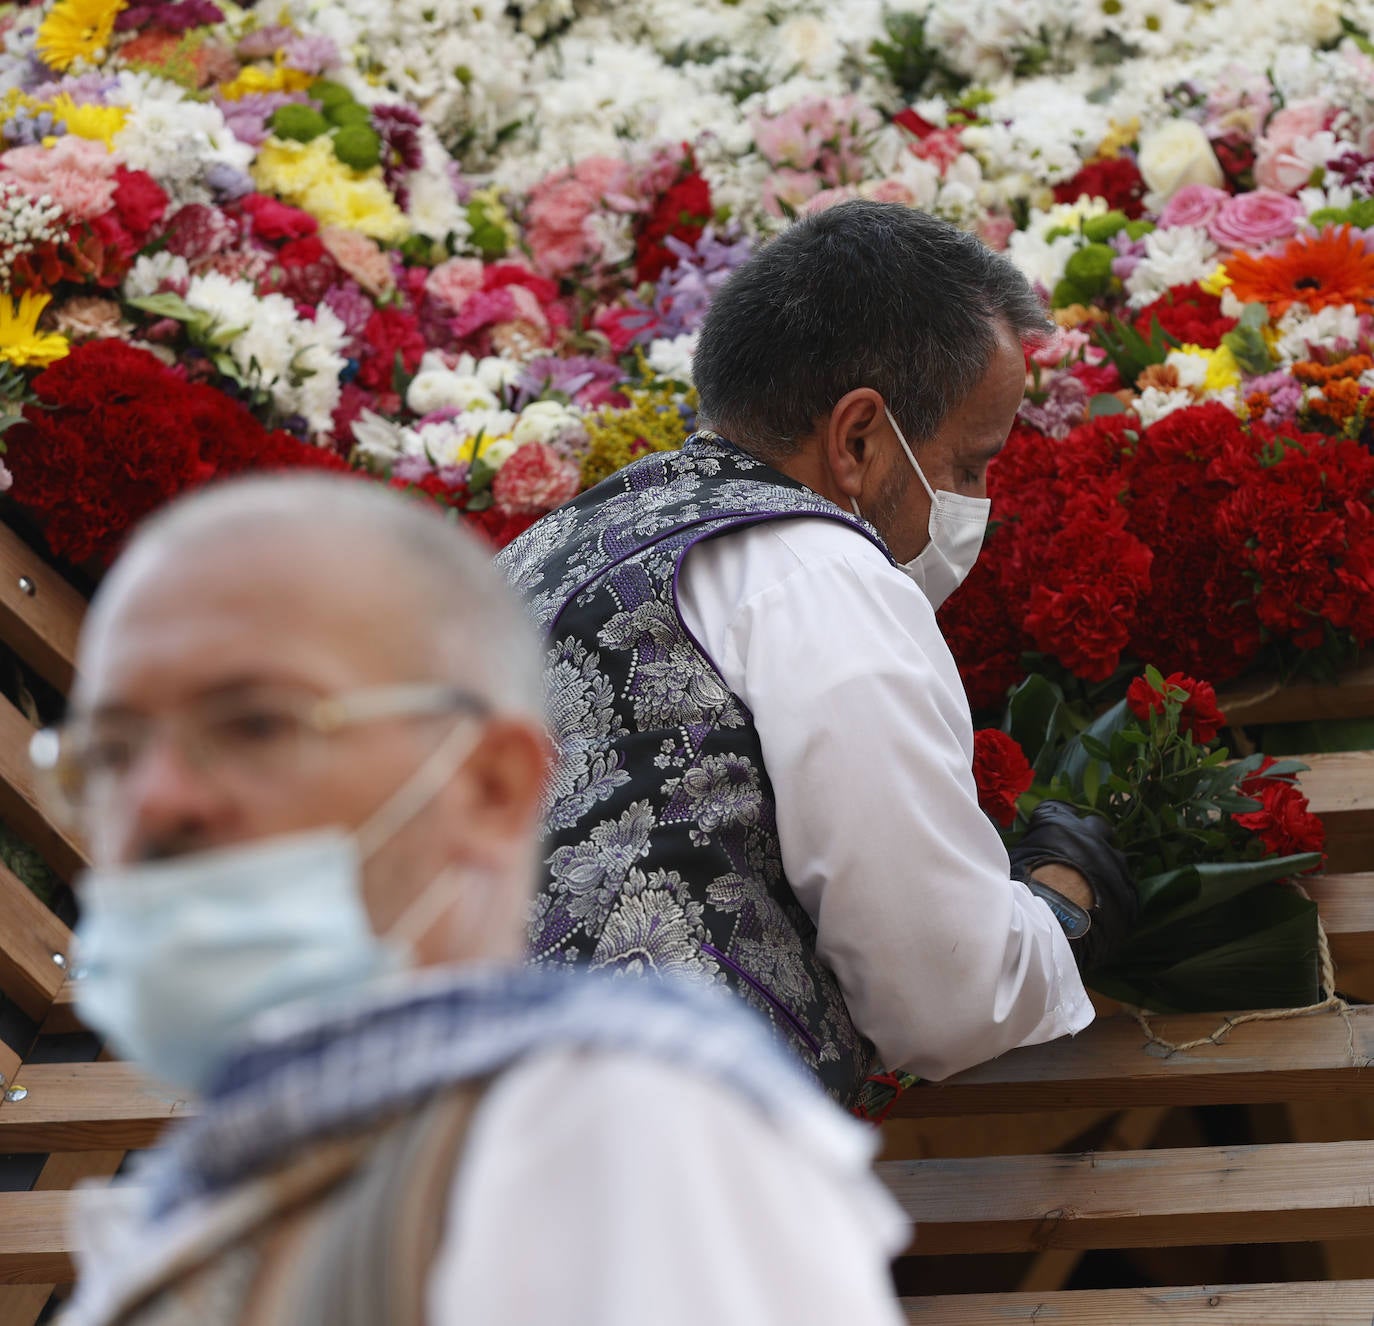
[[957, 525], [179, 956]]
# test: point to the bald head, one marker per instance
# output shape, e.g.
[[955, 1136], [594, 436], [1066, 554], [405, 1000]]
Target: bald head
[[388, 578]]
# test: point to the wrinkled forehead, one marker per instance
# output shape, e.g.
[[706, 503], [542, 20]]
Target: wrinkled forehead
[[178, 620]]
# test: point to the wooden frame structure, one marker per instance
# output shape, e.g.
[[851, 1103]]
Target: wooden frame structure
[[84, 1116]]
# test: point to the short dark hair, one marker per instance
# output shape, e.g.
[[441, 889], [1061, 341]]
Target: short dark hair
[[862, 294]]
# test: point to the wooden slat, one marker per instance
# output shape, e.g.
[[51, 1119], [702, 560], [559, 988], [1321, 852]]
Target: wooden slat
[[1111, 1065], [19, 806], [62, 1017], [35, 1248], [30, 936], [1263, 700], [1340, 788], [1296, 1192], [1315, 1303], [1346, 903], [40, 624], [86, 1107]]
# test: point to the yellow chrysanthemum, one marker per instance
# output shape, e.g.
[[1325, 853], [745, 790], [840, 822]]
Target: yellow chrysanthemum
[[99, 123], [77, 30], [1222, 369], [311, 177], [21, 342], [1119, 136], [253, 79], [1217, 282]]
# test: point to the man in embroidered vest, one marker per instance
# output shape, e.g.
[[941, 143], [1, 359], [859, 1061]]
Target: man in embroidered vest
[[307, 748], [766, 749]]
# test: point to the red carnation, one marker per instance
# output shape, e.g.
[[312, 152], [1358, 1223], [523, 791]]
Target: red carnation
[[390, 332], [1283, 822], [1187, 313], [140, 202], [1002, 773], [1199, 714], [682, 213], [1117, 179], [274, 220], [118, 434]]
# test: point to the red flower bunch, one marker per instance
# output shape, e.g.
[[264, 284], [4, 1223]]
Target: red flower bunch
[[390, 332], [116, 434], [498, 527], [1283, 822], [681, 211], [1001, 773], [1199, 714], [1117, 179], [1187, 313]]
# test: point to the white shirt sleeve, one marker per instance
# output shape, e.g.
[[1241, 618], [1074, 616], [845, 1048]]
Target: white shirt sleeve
[[601, 1189], [944, 960]]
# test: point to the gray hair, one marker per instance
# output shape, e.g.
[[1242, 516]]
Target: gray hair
[[862, 294], [483, 637]]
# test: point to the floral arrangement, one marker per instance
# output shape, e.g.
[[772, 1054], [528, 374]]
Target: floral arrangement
[[465, 250], [1211, 843]]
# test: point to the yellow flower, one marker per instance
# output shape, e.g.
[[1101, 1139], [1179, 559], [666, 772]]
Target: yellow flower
[[653, 422], [1217, 282], [253, 79], [1222, 369], [100, 123], [310, 176], [77, 30], [1118, 136], [21, 342]]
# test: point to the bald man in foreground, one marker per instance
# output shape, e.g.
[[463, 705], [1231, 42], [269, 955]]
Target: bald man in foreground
[[307, 751]]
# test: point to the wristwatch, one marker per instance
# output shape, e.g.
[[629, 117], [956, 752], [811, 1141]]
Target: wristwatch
[[1076, 920]]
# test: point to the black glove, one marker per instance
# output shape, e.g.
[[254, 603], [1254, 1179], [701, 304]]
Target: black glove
[[1058, 835]]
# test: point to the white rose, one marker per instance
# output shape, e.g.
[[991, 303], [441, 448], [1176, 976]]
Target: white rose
[[438, 389], [1175, 154]]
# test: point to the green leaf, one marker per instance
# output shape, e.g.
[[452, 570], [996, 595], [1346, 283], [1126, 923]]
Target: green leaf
[[1092, 782], [1035, 718], [1217, 882], [168, 304], [1105, 403], [1076, 756]]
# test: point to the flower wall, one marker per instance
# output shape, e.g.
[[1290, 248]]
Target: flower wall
[[465, 249]]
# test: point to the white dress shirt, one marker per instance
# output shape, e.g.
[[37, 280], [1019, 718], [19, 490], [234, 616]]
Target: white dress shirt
[[605, 1188], [944, 960]]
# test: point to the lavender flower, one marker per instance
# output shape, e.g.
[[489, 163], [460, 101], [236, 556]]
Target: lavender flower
[[226, 183], [1062, 409], [170, 17], [577, 377], [310, 53], [248, 116], [685, 290], [25, 129]]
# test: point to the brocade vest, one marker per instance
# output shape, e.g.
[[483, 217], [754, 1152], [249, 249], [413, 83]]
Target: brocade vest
[[663, 851]]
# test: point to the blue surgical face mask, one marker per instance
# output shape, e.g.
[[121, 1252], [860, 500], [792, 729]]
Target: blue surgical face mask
[[178, 957], [957, 525]]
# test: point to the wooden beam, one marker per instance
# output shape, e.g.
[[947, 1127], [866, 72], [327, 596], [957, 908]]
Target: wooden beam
[[30, 937], [1316, 1303], [40, 613], [86, 1107], [1346, 903], [62, 1017], [35, 1248], [1112, 1065], [1264, 700], [19, 802], [1296, 1192]]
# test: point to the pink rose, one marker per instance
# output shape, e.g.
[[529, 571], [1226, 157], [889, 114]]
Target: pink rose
[[534, 480], [1193, 205], [1253, 220]]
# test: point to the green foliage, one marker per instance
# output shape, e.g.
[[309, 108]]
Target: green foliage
[[1219, 928], [1246, 340], [914, 66], [1131, 352]]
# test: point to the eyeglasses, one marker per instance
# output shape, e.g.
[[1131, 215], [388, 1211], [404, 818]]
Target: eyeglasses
[[254, 740]]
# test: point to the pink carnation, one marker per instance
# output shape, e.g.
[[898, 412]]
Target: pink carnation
[[452, 282], [534, 480], [360, 257], [487, 308], [828, 198], [1280, 162], [78, 174], [1253, 220], [1193, 205], [560, 205], [888, 191], [786, 189]]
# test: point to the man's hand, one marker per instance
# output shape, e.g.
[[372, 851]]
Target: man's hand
[[1058, 838]]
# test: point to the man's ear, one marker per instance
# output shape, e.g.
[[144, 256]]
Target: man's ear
[[847, 440], [504, 784]]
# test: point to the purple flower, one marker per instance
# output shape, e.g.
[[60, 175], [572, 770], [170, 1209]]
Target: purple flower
[[399, 129], [1062, 409], [226, 183], [248, 116], [263, 42], [25, 129], [685, 290], [310, 53], [1285, 396], [351, 306], [169, 17], [581, 378]]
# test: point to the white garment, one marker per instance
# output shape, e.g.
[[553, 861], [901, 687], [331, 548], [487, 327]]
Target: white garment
[[604, 1188], [944, 960]]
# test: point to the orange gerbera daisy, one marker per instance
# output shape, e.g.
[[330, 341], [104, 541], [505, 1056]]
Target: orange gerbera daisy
[[1332, 268]]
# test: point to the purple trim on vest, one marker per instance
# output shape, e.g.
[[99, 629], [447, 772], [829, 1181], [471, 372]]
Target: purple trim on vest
[[755, 984]]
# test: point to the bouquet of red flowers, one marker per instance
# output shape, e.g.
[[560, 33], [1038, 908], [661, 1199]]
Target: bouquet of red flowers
[[1211, 842]]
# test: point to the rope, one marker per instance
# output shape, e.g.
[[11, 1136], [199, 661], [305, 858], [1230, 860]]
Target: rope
[[1333, 1001]]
